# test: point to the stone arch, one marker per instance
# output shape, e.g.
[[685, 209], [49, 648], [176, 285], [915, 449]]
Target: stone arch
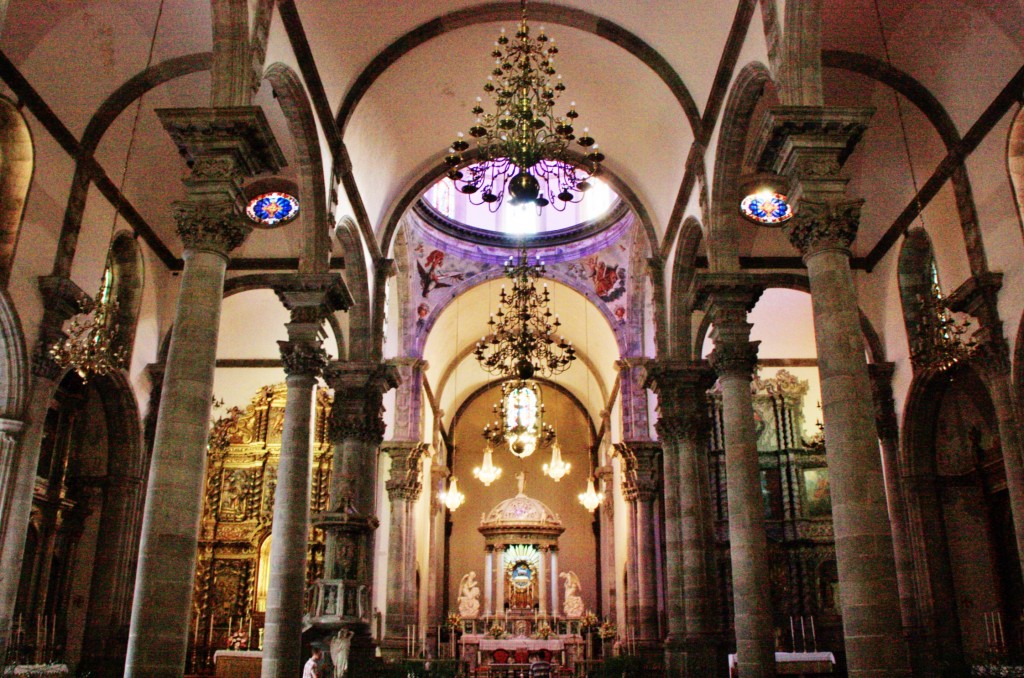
[[1015, 163], [101, 120], [915, 269], [552, 14], [749, 86], [14, 373], [936, 456], [361, 340], [127, 280], [231, 84], [680, 321], [16, 165], [291, 97]]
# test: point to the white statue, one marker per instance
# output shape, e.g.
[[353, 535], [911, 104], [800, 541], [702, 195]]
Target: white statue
[[469, 596], [573, 603], [340, 645]]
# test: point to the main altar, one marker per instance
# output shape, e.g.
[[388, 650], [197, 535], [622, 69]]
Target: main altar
[[522, 620]]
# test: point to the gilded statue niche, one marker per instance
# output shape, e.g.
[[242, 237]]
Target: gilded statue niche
[[238, 507]]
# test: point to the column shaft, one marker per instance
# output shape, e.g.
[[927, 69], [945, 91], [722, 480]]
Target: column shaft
[[282, 639], [647, 571], [542, 583], [489, 582], [864, 552], [167, 554], [748, 545], [499, 581], [554, 582]]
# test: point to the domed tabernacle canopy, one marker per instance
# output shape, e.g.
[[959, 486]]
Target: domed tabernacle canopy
[[521, 519]]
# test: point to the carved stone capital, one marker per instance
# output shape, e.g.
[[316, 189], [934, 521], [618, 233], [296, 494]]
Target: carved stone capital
[[681, 387], [216, 227], [819, 226], [404, 480], [227, 142], [641, 480], [359, 389], [303, 358], [733, 358]]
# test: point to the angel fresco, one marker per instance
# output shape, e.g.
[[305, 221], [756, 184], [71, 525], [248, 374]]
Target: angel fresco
[[432, 276]]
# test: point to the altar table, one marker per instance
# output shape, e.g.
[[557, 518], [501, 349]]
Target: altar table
[[796, 663], [37, 670], [237, 663]]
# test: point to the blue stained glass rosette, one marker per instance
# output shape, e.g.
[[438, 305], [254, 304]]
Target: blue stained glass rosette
[[766, 208], [271, 209]]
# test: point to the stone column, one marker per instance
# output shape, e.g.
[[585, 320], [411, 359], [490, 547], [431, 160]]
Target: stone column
[[553, 550], [310, 298], [222, 147], [727, 298], [62, 300], [809, 145], [683, 425], [404, 487], [642, 483], [542, 581], [489, 581], [437, 594], [610, 585], [357, 428], [499, 581]]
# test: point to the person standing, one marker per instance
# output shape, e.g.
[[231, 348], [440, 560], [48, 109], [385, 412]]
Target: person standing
[[312, 667]]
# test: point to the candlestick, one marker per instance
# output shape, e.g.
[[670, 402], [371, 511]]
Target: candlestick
[[248, 634], [792, 634], [814, 637], [803, 633]]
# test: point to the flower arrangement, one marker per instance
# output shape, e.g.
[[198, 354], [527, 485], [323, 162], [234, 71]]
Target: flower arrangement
[[454, 620], [239, 640], [589, 620], [543, 632], [496, 631], [607, 630]]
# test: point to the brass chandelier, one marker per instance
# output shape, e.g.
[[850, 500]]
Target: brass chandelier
[[942, 341], [522, 145], [93, 346], [521, 342], [520, 419]]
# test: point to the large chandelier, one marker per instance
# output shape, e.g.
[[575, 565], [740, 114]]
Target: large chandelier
[[942, 341], [521, 342], [522, 144], [453, 499], [92, 346], [520, 421]]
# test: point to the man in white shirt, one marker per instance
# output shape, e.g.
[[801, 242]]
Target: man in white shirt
[[312, 668]]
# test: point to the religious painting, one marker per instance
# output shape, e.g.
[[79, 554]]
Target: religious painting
[[607, 278], [817, 499], [234, 495], [432, 272], [771, 494]]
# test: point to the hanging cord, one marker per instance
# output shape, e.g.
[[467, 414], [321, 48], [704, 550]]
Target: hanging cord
[[899, 114], [132, 134]]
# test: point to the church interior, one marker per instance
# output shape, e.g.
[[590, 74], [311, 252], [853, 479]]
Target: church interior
[[511, 339]]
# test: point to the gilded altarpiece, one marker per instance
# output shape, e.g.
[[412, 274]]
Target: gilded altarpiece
[[229, 599]]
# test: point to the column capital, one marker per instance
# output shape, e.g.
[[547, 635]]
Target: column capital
[[359, 389], [303, 358], [642, 478], [221, 146], [681, 387], [404, 479], [825, 225]]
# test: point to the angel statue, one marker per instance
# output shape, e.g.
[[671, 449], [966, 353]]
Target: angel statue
[[469, 596], [573, 605], [340, 645]]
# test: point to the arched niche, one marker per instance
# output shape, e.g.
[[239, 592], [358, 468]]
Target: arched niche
[[16, 165]]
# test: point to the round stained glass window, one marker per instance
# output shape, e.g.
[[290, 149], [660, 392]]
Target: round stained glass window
[[766, 208], [273, 209]]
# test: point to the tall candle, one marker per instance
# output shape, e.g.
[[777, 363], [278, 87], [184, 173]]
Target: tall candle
[[803, 633], [814, 637], [248, 634]]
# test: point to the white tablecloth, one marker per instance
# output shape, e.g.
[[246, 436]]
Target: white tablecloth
[[530, 644], [795, 657]]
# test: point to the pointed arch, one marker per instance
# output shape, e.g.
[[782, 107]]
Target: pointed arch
[[690, 237]]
